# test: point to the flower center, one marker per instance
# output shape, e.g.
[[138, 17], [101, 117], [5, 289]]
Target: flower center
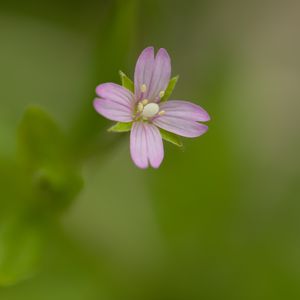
[[146, 110], [150, 110]]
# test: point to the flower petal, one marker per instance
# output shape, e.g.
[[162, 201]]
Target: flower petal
[[183, 127], [161, 74], [146, 145], [143, 71], [184, 110], [116, 93], [113, 110], [138, 145], [154, 145]]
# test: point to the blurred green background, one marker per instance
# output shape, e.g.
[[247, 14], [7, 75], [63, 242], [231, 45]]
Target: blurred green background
[[218, 220]]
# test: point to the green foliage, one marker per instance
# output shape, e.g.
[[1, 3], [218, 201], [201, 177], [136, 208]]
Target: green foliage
[[44, 150], [41, 183], [40, 140], [115, 44], [171, 137], [126, 82], [15, 185], [56, 188], [43, 179], [220, 221], [21, 243], [121, 127], [170, 88]]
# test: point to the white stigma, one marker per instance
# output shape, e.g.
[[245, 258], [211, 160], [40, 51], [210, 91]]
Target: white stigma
[[150, 110], [143, 88]]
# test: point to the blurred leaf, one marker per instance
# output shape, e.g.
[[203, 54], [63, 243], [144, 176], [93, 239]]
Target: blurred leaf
[[121, 127], [171, 137], [170, 88], [40, 185], [40, 140], [126, 82], [56, 188], [15, 187], [45, 152], [20, 250]]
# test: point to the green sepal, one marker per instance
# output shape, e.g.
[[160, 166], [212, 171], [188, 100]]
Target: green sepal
[[171, 137], [170, 88], [126, 82], [120, 127]]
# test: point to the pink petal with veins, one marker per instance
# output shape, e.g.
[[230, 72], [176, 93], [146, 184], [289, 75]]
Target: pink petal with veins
[[184, 110], [146, 146]]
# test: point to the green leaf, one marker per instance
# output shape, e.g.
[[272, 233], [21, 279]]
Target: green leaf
[[21, 244], [46, 156], [55, 188], [171, 137], [15, 187], [170, 88], [40, 139], [121, 127], [126, 82]]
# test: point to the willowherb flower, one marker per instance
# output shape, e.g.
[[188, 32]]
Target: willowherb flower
[[142, 108]]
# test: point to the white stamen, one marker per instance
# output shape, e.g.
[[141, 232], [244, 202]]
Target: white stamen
[[145, 102], [162, 112], [150, 110], [143, 88], [161, 94]]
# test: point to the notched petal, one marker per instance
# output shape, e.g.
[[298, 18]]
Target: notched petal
[[185, 110], [161, 74], [146, 146], [155, 146], [183, 127], [113, 110], [143, 71], [138, 145], [115, 93]]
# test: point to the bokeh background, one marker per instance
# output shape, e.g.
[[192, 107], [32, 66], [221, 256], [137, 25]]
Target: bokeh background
[[219, 220]]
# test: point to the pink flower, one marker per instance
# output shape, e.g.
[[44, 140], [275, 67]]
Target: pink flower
[[146, 110]]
